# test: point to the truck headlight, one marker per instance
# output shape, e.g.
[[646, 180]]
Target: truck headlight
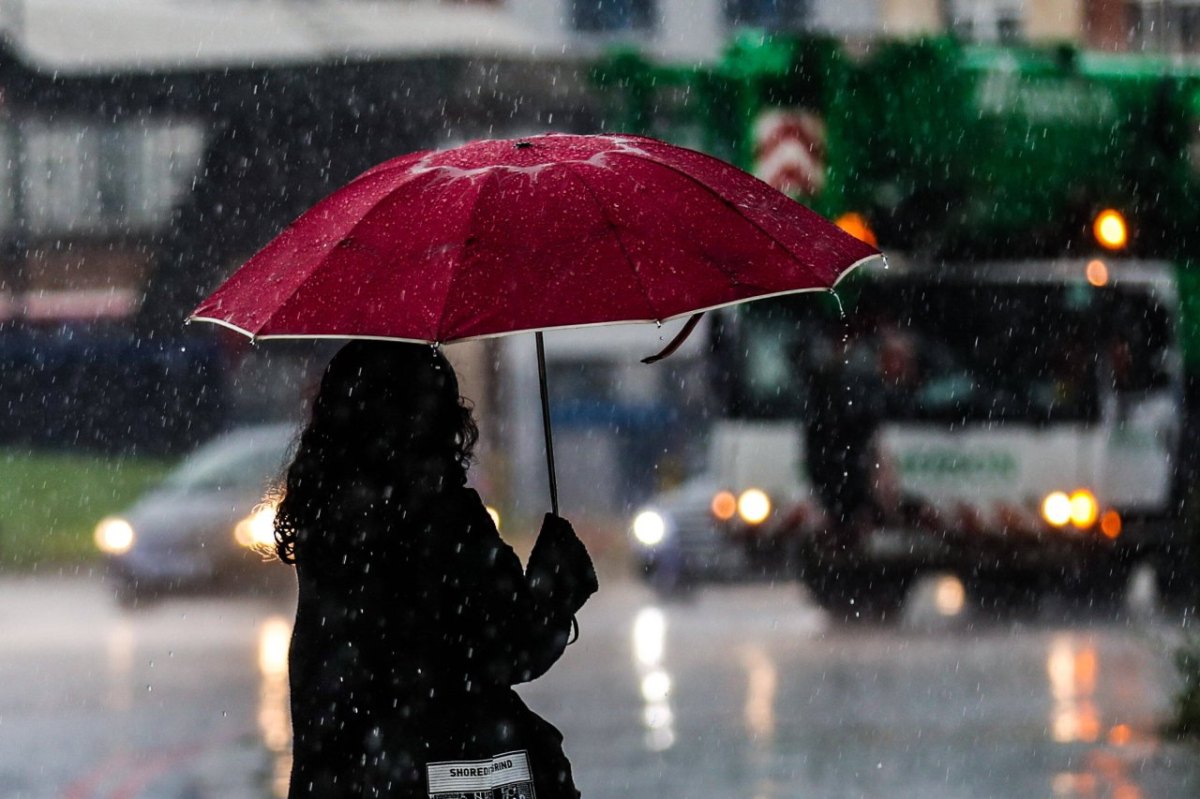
[[1056, 508], [649, 528], [1084, 508], [114, 535], [1079, 508], [754, 506]]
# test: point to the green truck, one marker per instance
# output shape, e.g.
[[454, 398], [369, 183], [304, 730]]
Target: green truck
[[1033, 348]]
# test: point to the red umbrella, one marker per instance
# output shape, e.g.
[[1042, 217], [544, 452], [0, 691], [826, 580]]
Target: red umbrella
[[502, 236]]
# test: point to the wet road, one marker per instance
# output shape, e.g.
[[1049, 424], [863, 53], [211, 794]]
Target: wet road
[[740, 692]]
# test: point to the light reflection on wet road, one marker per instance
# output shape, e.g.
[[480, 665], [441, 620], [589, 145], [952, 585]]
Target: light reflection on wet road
[[747, 692], [739, 692]]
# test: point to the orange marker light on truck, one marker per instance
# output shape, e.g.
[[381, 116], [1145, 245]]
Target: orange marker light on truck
[[1110, 229], [1110, 524], [856, 225]]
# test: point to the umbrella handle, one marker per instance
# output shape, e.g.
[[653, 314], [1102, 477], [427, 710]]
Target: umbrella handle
[[541, 357]]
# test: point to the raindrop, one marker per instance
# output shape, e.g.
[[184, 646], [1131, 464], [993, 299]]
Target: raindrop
[[838, 300]]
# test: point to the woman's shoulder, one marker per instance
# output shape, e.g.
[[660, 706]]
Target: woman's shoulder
[[466, 533], [464, 506]]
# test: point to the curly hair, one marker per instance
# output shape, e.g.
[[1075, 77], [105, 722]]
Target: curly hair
[[386, 414]]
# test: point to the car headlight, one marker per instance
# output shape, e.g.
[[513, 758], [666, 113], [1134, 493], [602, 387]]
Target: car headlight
[[114, 535], [649, 528], [257, 530], [754, 506]]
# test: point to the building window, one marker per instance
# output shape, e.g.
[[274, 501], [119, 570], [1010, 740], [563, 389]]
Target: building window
[[987, 20], [1165, 26], [769, 14], [602, 16], [162, 164], [105, 179], [1008, 27], [1187, 29]]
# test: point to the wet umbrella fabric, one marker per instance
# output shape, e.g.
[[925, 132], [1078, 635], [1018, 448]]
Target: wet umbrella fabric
[[502, 236]]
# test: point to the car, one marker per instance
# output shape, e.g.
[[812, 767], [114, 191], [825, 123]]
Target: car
[[679, 542], [209, 524]]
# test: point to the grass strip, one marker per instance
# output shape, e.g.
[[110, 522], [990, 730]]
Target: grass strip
[[50, 502]]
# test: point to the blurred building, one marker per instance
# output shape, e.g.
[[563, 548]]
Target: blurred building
[[147, 147], [629, 404], [699, 28]]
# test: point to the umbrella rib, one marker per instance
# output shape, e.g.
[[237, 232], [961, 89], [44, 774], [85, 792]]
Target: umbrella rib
[[734, 207], [351, 233], [348, 233], [489, 177], [295, 279], [616, 237]]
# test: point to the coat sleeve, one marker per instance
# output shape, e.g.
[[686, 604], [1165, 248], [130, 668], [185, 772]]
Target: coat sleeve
[[505, 627], [560, 570]]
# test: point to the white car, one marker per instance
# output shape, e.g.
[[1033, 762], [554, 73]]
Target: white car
[[208, 524]]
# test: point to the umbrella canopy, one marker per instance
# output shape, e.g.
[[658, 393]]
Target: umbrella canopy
[[502, 236]]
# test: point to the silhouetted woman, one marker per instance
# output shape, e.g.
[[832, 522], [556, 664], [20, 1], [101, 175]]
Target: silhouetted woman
[[414, 618]]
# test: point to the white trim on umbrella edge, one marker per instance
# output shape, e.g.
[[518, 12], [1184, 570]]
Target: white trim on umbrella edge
[[348, 336]]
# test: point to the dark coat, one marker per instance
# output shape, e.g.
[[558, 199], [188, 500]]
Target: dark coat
[[408, 654]]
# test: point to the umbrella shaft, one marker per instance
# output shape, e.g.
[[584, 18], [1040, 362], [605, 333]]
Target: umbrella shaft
[[541, 356]]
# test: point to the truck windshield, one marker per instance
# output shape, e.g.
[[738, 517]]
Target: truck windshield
[[947, 352]]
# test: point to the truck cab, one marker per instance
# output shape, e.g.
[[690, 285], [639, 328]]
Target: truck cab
[[1019, 421], [1028, 370]]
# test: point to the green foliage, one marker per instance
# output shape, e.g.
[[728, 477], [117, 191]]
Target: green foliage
[[50, 502]]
